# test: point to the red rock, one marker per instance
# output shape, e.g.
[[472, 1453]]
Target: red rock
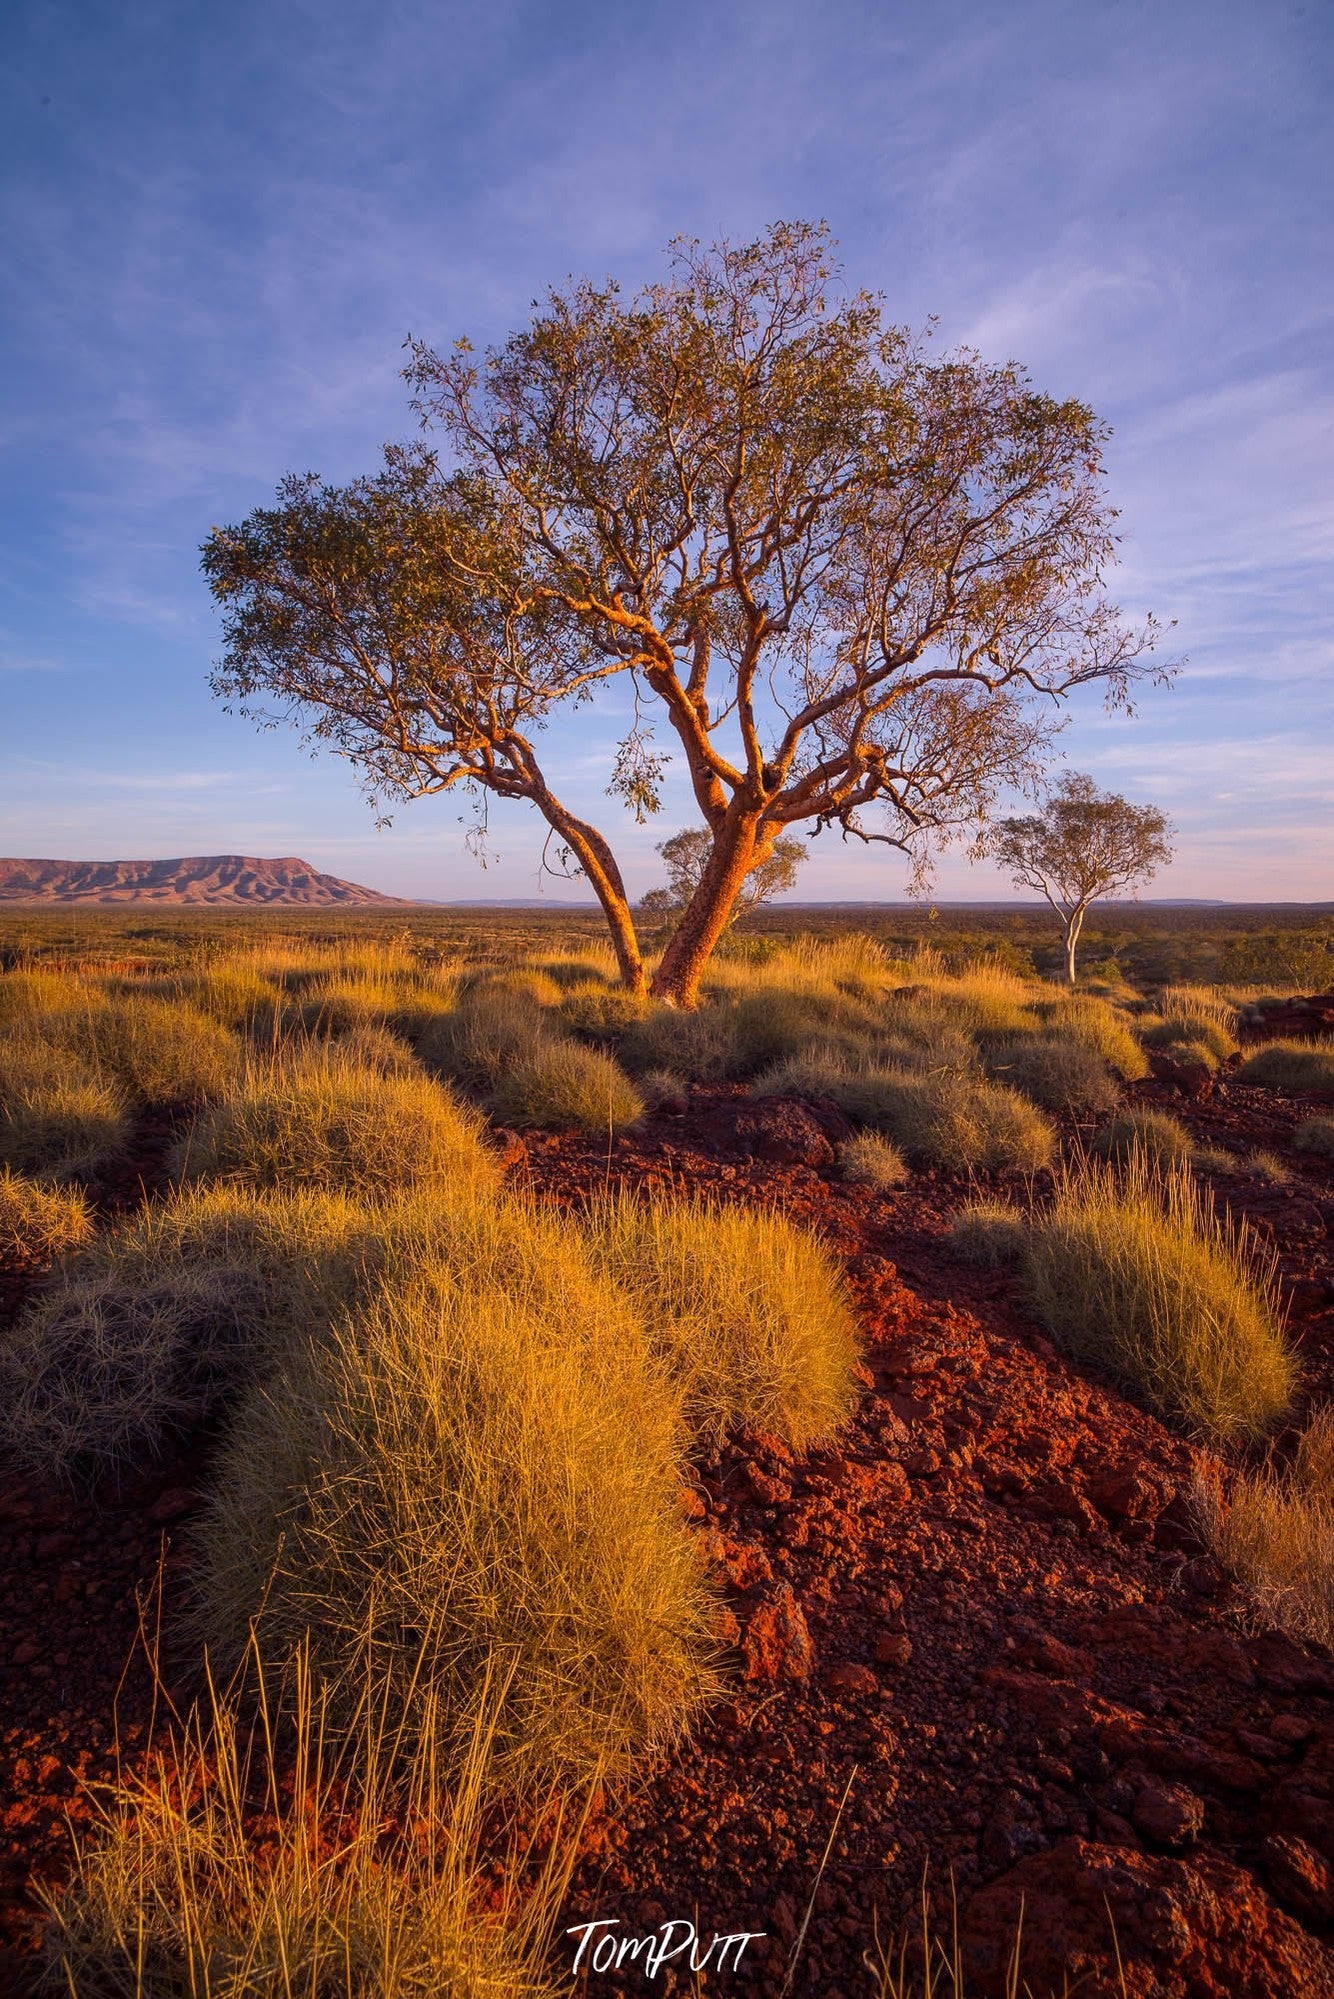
[[849, 1678], [1299, 1876], [1125, 1495], [1201, 1929], [1171, 1814], [777, 1641], [784, 1131], [893, 1648]]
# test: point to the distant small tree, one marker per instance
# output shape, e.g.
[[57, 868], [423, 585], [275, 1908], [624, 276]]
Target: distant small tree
[[687, 855], [1083, 844]]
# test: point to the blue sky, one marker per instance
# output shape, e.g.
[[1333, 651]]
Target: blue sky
[[217, 225]]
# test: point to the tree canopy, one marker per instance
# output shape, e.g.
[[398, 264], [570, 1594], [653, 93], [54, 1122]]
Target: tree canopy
[[847, 583], [1084, 844]]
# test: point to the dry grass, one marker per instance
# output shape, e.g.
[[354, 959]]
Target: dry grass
[[33, 995], [746, 1311], [324, 1119], [265, 1853], [1135, 1272], [1154, 1134], [1100, 1027], [56, 1116], [1315, 1135], [1054, 1072], [868, 1160], [560, 1085], [1192, 1031], [1196, 1003], [492, 1028], [1277, 1533], [989, 1234], [1267, 1166], [958, 1122], [1293, 1066], [699, 1046], [38, 1224], [480, 1480]]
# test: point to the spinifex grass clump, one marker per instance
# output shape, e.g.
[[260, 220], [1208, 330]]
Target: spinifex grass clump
[[57, 1117], [164, 1320], [1315, 1135], [1100, 1027], [493, 1027], [1134, 1271], [38, 1224], [955, 1121], [1157, 1136], [746, 1310], [1277, 1533], [323, 1119], [480, 1481], [263, 1852], [1191, 1031], [1055, 1072], [559, 1085], [871, 1161], [1294, 1066]]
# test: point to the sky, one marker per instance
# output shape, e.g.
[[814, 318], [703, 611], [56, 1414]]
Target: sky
[[218, 224]]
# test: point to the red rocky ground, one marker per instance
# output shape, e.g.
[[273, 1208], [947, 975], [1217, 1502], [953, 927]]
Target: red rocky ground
[[979, 1635]]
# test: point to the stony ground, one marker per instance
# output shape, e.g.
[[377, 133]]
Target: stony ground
[[978, 1639]]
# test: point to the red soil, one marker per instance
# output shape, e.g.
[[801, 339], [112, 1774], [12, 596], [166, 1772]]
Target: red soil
[[979, 1635]]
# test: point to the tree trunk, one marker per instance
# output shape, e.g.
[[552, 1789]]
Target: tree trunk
[[1074, 924], [599, 865], [736, 849]]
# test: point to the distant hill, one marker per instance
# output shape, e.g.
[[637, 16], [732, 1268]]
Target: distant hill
[[229, 879]]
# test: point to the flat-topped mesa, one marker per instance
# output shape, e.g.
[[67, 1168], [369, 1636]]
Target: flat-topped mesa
[[197, 879]]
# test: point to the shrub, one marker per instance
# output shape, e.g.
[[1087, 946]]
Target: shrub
[[746, 1311], [1293, 1066], [1100, 1027], [1267, 1166], [989, 1234], [1137, 1274], [871, 1161], [1213, 1159], [453, 1481], [211, 1873], [1152, 1134], [325, 1120], [38, 1224], [1277, 1534], [559, 1085], [957, 1122], [1315, 1135], [1055, 1072]]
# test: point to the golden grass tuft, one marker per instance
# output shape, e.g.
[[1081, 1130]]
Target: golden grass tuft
[[480, 1480], [28, 995], [1315, 1135], [868, 1160], [38, 1224], [1276, 1534], [1191, 1031], [1135, 1272], [989, 1235], [1055, 1072], [324, 1119], [56, 1116], [958, 1122], [1154, 1134], [491, 1029], [264, 1852], [746, 1310], [560, 1085], [1101, 1027], [1292, 1066]]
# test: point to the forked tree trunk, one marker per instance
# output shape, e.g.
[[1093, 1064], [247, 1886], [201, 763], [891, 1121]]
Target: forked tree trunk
[[736, 849]]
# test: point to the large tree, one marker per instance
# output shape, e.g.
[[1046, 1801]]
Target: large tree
[[1083, 844], [852, 581]]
